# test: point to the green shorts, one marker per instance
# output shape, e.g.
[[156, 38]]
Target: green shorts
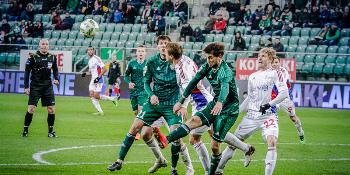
[[150, 113], [221, 123], [138, 100]]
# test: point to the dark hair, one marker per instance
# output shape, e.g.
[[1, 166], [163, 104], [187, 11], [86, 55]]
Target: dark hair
[[174, 49], [217, 49], [141, 45], [163, 37]]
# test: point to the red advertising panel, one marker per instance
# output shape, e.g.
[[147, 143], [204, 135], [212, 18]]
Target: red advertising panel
[[246, 66]]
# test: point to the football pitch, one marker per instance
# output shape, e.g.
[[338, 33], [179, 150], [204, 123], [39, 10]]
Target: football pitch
[[87, 144]]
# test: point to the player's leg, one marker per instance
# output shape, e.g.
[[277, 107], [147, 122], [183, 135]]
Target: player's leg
[[289, 107], [95, 102], [160, 137], [48, 100], [34, 97], [216, 156], [270, 134], [198, 145]]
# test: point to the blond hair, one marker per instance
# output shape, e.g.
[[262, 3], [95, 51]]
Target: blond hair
[[270, 52]]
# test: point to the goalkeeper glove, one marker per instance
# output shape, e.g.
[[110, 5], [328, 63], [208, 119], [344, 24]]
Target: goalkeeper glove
[[264, 107]]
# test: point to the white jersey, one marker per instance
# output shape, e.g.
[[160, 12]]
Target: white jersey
[[186, 69], [260, 85], [95, 66]]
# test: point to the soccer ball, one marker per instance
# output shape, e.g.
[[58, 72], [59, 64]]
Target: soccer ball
[[89, 28]]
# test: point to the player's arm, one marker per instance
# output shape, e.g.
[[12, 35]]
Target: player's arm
[[28, 69], [244, 105], [104, 70], [55, 70], [224, 79], [118, 70], [148, 79]]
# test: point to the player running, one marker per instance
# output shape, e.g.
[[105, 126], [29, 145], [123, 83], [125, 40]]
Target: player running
[[261, 110], [287, 105], [186, 69], [221, 112], [97, 69]]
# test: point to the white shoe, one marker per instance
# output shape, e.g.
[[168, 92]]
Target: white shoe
[[248, 156], [158, 164], [98, 113]]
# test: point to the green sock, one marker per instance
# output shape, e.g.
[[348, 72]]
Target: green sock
[[128, 141], [175, 150], [214, 162], [178, 133]]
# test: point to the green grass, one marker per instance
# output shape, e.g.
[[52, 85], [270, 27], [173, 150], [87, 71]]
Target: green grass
[[325, 129]]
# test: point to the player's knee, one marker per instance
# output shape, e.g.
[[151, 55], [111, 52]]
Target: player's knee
[[215, 147], [97, 95], [31, 109], [271, 141], [194, 139], [147, 134], [50, 109], [293, 118]]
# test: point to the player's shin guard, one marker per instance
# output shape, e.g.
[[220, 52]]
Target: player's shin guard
[[175, 149], [270, 160], [152, 144], [227, 154], [27, 121], [128, 141], [186, 158], [178, 133], [215, 159], [232, 140], [203, 155], [50, 121]]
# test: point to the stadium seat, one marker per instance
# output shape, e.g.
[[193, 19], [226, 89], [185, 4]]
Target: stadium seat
[[341, 60], [320, 59], [188, 45], [137, 43], [127, 28], [299, 58], [231, 56], [150, 38], [309, 58], [188, 53], [97, 18], [3, 57], [299, 66], [317, 69], [345, 33], [110, 27], [330, 59], [18, 59], [174, 21], [112, 43], [242, 55], [339, 69], [230, 30], [247, 39], [218, 38], [311, 49], [197, 46], [301, 48], [74, 51], [47, 34], [76, 26], [102, 27], [314, 32], [72, 34], [209, 37], [95, 43], [46, 18], [35, 41], [255, 39], [79, 18], [133, 37], [332, 49], [81, 51], [61, 42], [285, 40], [305, 32], [119, 28], [88, 17], [55, 34], [227, 38], [328, 68], [52, 41], [69, 42], [291, 48], [347, 70], [294, 40], [64, 34], [98, 36], [124, 37], [344, 41], [28, 40], [37, 17], [136, 28], [115, 36], [106, 36], [241, 29], [121, 44], [86, 42], [296, 31], [322, 49], [253, 47], [307, 68], [343, 49], [304, 40], [78, 42]]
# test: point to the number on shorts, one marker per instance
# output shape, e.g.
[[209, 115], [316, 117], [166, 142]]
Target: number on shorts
[[269, 122], [141, 114]]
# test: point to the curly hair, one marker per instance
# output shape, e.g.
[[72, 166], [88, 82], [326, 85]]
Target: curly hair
[[270, 52], [217, 49]]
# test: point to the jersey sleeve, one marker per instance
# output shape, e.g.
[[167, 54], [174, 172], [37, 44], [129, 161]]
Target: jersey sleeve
[[127, 73], [55, 68], [28, 69], [99, 62], [281, 85], [193, 83], [224, 79], [148, 78]]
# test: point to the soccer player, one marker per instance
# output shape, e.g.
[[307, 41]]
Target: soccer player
[[287, 105], [114, 77], [261, 110], [162, 97], [186, 69], [221, 112], [39, 67], [97, 69]]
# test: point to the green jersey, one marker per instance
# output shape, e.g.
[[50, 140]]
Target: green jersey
[[223, 84], [134, 74], [164, 81]]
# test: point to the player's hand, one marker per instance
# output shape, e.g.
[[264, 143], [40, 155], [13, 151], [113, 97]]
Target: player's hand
[[131, 85], [264, 107], [217, 109], [56, 82], [27, 91], [154, 100], [183, 113], [176, 107], [83, 74], [97, 79]]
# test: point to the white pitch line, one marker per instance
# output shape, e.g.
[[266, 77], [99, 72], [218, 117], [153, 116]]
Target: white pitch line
[[38, 156]]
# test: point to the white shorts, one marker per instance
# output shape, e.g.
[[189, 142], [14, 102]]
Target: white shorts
[[248, 126], [287, 106], [95, 87]]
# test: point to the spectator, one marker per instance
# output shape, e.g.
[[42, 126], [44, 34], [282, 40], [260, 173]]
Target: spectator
[[129, 14], [236, 6], [56, 20], [146, 14], [289, 4], [72, 6], [314, 17], [276, 27], [336, 15], [222, 10], [276, 12], [136, 4], [265, 24], [272, 3], [255, 29], [209, 25], [219, 25], [28, 13], [186, 33], [320, 36], [332, 36], [97, 8], [67, 23], [20, 41], [158, 25], [86, 6], [239, 20], [247, 17], [38, 30], [181, 10], [277, 45], [197, 35], [112, 7], [302, 18], [214, 6], [258, 12], [228, 5], [157, 4], [345, 20], [286, 14], [269, 11], [118, 16], [22, 26], [5, 26], [287, 28], [239, 43], [325, 15], [13, 11], [28, 29], [167, 8]]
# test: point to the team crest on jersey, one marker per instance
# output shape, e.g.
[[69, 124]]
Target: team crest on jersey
[[49, 65], [158, 68]]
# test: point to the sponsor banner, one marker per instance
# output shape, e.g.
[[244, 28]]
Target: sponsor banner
[[64, 59], [70, 84], [247, 66], [315, 95]]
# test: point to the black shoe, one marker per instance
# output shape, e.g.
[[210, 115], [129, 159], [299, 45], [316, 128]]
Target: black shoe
[[115, 166], [25, 134], [51, 134], [174, 172], [302, 139]]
